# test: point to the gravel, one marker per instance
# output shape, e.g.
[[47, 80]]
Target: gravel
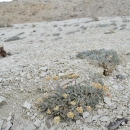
[[23, 73]]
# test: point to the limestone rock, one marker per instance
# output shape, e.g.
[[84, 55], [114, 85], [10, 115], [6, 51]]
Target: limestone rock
[[27, 105], [107, 101], [85, 114], [43, 74], [104, 118], [37, 123]]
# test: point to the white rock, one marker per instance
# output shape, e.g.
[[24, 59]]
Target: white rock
[[43, 74], [104, 118], [30, 127], [107, 101], [115, 87], [8, 125], [1, 123], [78, 122], [85, 114], [9, 118], [95, 117], [100, 112], [61, 74], [27, 105], [88, 120], [37, 123], [2, 100], [29, 76], [44, 69]]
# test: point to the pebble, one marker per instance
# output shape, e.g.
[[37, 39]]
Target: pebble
[[104, 118], [107, 101], [27, 105], [95, 117], [43, 74], [29, 76], [78, 122], [37, 123], [85, 114], [9, 118], [44, 69], [109, 32]]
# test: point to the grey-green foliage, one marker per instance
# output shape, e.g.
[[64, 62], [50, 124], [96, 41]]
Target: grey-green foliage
[[85, 95], [107, 59]]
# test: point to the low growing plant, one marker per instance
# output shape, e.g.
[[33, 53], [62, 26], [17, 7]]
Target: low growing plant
[[108, 59], [69, 102]]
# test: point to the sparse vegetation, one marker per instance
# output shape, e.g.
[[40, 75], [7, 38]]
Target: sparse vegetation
[[69, 102], [108, 59]]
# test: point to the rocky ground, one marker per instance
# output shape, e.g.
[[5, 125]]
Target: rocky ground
[[25, 11], [49, 48]]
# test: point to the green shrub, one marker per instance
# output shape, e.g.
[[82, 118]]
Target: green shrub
[[108, 59], [69, 102]]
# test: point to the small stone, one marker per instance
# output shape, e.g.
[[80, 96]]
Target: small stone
[[100, 112], [29, 76], [30, 127], [109, 32], [85, 114], [1, 123], [33, 117], [2, 100], [43, 74], [27, 105], [107, 101], [95, 118], [37, 123], [9, 118], [104, 118], [88, 120], [78, 122], [44, 69], [124, 113], [115, 87], [119, 76]]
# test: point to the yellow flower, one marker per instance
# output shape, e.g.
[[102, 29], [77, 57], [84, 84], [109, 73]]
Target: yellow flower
[[55, 77], [97, 85], [75, 76], [48, 78], [73, 103], [39, 100], [105, 89], [88, 108], [70, 114], [79, 109], [64, 95], [64, 87], [56, 108], [57, 119], [48, 111]]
